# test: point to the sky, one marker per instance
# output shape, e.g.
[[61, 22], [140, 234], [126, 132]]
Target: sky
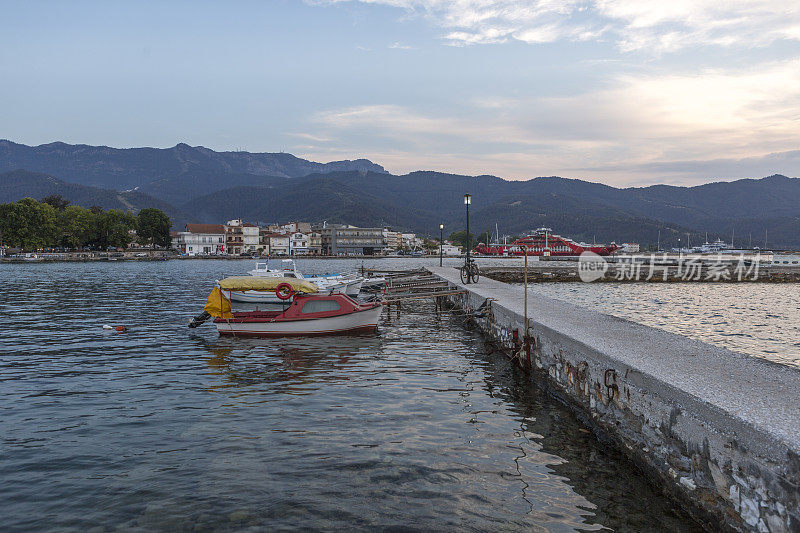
[[624, 92]]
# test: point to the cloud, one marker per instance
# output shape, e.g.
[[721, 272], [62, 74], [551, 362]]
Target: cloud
[[655, 25], [712, 123], [398, 46], [692, 172], [310, 137]]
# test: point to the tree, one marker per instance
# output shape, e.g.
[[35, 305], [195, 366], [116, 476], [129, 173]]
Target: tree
[[459, 238], [152, 225], [485, 237], [55, 200], [114, 229], [29, 224], [78, 226], [430, 245]]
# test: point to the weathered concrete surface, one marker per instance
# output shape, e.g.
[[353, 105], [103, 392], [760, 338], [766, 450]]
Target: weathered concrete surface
[[720, 429]]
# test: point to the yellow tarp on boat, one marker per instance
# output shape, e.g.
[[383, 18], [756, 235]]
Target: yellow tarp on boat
[[217, 305], [263, 283]]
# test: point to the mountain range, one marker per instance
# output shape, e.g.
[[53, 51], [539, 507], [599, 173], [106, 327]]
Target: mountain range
[[196, 184]]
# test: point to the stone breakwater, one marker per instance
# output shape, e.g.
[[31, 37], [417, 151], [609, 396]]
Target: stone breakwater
[[543, 272], [717, 430]]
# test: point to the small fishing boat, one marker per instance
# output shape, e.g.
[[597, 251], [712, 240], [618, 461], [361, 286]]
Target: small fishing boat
[[310, 312]]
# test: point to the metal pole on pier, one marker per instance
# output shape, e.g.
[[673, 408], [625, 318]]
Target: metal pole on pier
[[525, 283], [526, 337], [467, 201], [441, 242]]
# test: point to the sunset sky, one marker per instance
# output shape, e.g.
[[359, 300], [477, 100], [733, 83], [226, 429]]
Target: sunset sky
[[625, 92]]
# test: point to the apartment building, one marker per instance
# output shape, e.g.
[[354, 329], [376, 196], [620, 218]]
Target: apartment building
[[350, 240], [200, 239]]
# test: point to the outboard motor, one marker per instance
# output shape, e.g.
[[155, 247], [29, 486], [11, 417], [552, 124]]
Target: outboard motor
[[199, 319]]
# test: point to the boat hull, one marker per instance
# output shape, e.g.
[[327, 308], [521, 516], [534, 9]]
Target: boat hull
[[354, 288], [358, 322], [254, 297]]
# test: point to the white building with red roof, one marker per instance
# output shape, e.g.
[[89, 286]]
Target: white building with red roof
[[200, 239]]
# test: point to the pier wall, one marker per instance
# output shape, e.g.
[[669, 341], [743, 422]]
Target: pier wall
[[718, 430]]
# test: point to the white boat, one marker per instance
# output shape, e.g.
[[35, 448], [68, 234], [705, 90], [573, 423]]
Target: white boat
[[373, 284], [336, 282]]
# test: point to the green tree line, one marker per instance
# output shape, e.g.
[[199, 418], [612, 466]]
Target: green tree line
[[52, 222]]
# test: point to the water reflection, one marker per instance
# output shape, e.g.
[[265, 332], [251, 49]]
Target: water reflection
[[300, 365], [592, 468], [168, 429]]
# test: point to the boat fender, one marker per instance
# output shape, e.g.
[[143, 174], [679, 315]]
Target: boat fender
[[284, 291]]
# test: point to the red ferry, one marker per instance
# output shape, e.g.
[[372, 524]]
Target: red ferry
[[544, 242]]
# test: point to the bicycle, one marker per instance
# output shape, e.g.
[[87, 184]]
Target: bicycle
[[469, 272]]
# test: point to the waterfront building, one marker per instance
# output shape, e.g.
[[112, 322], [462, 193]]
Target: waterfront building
[[298, 243], [278, 243], [410, 240], [263, 241], [200, 239], [349, 240], [450, 249], [293, 227], [250, 238], [394, 239], [629, 247], [314, 243], [234, 237]]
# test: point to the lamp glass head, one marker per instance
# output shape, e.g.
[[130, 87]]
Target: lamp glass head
[[467, 199], [441, 226]]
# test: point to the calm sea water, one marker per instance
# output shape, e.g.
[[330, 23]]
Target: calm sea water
[[167, 428], [759, 319]]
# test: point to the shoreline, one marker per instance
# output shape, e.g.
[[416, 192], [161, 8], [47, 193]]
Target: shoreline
[[111, 259]]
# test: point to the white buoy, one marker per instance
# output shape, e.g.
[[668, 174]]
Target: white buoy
[[106, 326]]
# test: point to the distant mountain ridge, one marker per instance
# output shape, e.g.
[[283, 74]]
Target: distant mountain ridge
[[128, 168], [189, 189]]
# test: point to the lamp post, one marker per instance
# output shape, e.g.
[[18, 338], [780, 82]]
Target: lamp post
[[441, 242], [467, 202]]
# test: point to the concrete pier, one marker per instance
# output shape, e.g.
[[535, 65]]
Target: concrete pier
[[718, 430]]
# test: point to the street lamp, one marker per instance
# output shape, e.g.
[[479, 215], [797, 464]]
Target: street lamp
[[441, 242], [467, 202]]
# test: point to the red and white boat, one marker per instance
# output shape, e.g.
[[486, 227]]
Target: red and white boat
[[309, 313], [543, 242]]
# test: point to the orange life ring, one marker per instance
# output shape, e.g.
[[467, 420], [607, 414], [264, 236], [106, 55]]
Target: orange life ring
[[284, 291]]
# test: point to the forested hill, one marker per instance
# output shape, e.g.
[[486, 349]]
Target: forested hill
[[19, 184]]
